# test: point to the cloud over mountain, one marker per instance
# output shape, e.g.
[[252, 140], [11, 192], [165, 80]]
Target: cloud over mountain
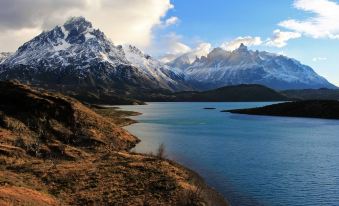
[[248, 41], [124, 21], [200, 50]]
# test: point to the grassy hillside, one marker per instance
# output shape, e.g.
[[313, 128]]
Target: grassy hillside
[[56, 151]]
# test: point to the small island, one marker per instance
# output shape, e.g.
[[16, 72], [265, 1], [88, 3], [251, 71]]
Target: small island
[[325, 109]]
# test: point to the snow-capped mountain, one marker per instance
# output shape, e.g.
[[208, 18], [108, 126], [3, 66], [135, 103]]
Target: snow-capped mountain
[[166, 76], [76, 54], [4, 56], [242, 66], [181, 62]]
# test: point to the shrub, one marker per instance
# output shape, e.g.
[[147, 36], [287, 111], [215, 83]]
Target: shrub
[[34, 148], [19, 142], [161, 151]]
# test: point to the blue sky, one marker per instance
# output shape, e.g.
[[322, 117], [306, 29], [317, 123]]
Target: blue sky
[[219, 21]]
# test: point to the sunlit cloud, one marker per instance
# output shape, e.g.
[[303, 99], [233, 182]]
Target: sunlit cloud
[[200, 50], [123, 21], [248, 41], [323, 24], [280, 38]]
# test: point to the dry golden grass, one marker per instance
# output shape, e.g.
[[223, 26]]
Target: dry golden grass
[[10, 195], [112, 178], [116, 116], [59, 152]]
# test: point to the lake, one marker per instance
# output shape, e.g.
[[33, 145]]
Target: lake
[[251, 160]]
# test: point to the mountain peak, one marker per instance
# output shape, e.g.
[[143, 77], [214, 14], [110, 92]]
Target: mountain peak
[[242, 48], [77, 24], [78, 29], [78, 54], [243, 66], [78, 20], [217, 53]]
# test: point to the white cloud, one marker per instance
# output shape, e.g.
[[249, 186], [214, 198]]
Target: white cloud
[[173, 48], [23, 14], [174, 45], [170, 44], [9, 39], [248, 41], [171, 21], [201, 50], [168, 58], [317, 59], [124, 21], [280, 38], [324, 23]]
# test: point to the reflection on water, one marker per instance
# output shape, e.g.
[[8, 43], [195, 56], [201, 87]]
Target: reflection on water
[[252, 160]]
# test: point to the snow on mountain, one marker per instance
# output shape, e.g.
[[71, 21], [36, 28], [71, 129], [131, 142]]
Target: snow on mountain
[[78, 54], [181, 62], [188, 58], [242, 66], [4, 56], [153, 68]]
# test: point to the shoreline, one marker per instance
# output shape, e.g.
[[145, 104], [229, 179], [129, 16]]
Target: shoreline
[[207, 193], [313, 109], [57, 151]]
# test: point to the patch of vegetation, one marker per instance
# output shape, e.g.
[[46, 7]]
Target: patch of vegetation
[[161, 152]]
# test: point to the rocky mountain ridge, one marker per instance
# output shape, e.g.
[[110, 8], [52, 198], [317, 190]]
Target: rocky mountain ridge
[[242, 66], [80, 61], [79, 56]]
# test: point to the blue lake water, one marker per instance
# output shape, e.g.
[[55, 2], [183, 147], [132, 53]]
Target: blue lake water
[[251, 160]]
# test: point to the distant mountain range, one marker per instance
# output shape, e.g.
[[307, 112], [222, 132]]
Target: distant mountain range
[[237, 93], [79, 60], [242, 66]]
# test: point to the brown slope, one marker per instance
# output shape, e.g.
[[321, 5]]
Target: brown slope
[[48, 119], [56, 151]]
